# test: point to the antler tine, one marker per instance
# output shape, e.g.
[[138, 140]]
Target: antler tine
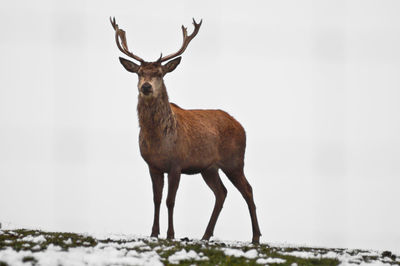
[[159, 59], [120, 35], [186, 40]]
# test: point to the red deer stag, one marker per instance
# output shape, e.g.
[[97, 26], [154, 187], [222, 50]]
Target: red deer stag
[[173, 140]]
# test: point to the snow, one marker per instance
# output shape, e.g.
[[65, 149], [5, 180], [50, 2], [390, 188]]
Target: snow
[[185, 255], [251, 254], [300, 254], [55, 248], [36, 247], [82, 256], [330, 255], [345, 258], [233, 252], [132, 244], [120, 249], [118, 237], [34, 239], [270, 260]]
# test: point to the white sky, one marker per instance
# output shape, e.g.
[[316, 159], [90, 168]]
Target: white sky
[[316, 85]]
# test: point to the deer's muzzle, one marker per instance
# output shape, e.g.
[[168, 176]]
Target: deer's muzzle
[[146, 88]]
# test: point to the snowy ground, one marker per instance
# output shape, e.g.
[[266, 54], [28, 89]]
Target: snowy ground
[[34, 247]]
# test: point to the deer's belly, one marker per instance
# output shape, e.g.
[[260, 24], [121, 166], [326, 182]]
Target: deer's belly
[[192, 164], [193, 170], [189, 163], [165, 162]]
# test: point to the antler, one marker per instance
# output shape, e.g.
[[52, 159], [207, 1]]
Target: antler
[[186, 41], [120, 35]]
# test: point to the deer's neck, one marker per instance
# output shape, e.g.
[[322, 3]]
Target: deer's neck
[[155, 116]]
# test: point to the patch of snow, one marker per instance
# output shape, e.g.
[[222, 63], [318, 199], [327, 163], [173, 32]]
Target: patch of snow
[[387, 259], [34, 239], [251, 254], [167, 248], [126, 245], [374, 263], [116, 237], [132, 253], [55, 248], [68, 241], [301, 254], [346, 258], [233, 252], [185, 255], [369, 253], [11, 257], [331, 255], [36, 247], [81, 256], [270, 260], [145, 248]]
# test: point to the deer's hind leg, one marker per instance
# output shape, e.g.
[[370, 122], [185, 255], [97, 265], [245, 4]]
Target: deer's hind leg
[[211, 177], [238, 179]]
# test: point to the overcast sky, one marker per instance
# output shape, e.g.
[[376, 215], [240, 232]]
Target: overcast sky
[[316, 85]]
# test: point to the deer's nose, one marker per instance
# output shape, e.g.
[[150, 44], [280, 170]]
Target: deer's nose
[[146, 88]]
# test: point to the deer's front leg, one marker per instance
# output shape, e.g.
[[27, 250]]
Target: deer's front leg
[[157, 179], [174, 177]]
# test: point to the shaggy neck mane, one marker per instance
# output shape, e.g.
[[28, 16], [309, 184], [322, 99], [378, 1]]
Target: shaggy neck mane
[[155, 115]]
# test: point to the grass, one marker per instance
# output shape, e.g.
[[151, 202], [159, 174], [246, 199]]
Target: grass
[[21, 240]]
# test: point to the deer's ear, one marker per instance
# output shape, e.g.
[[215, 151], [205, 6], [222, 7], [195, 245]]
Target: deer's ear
[[171, 65], [129, 65]]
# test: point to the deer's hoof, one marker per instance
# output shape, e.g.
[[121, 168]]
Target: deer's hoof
[[155, 232], [170, 236], [256, 240]]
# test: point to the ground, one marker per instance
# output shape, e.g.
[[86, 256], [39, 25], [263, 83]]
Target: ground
[[36, 247]]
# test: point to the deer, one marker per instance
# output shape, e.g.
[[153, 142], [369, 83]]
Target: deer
[[176, 141]]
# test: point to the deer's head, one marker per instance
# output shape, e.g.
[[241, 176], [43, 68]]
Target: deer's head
[[151, 74]]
